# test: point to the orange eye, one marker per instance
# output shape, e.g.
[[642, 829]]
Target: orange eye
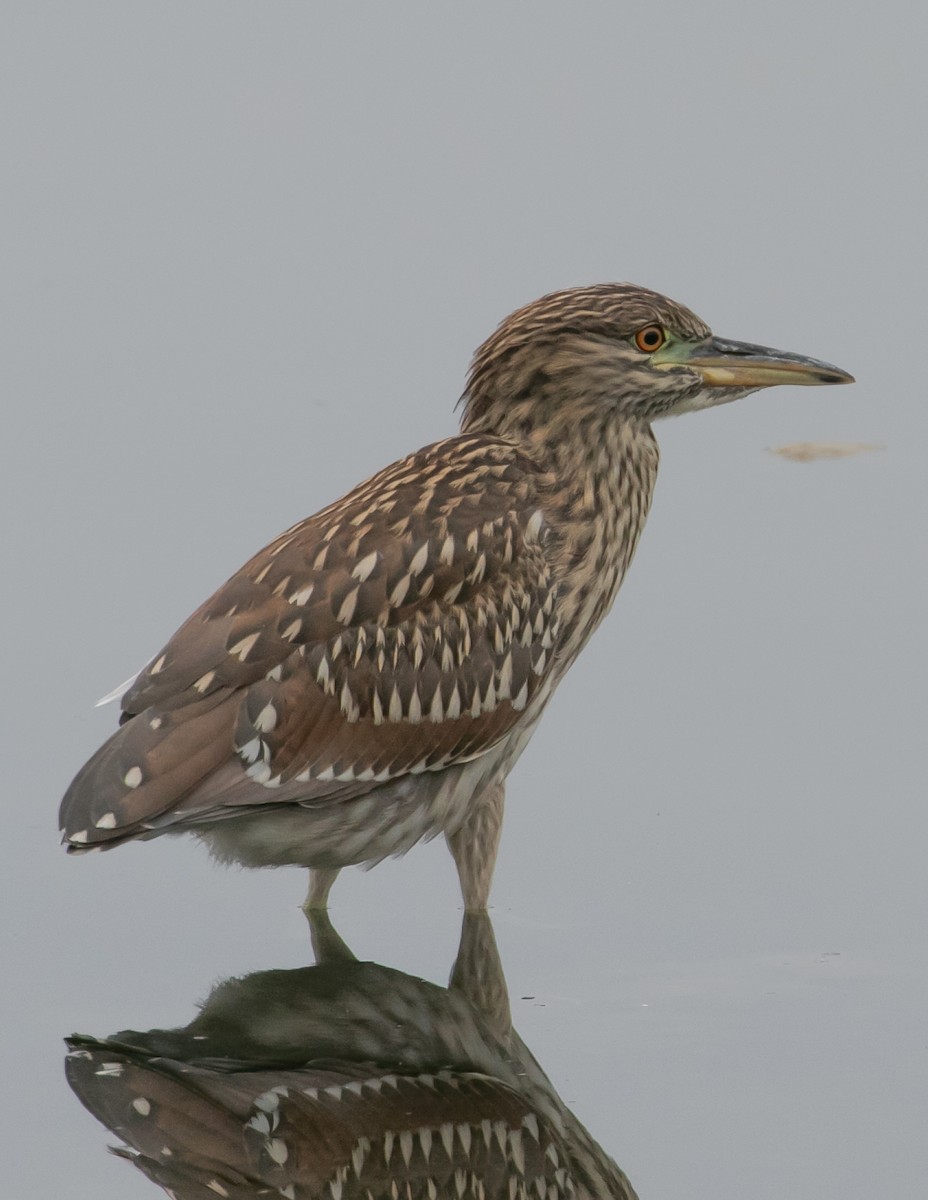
[[649, 339]]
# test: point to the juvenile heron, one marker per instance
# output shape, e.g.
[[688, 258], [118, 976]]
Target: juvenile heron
[[370, 677]]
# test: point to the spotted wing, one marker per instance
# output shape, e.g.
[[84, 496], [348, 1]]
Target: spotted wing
[[343, 1129], [402, 629]]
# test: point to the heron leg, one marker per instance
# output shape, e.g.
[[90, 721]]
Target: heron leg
[[320, 884], [328, 946], [474, 845], [478, 973]]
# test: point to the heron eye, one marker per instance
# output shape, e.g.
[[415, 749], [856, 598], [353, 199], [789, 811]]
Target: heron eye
[[649, 339]]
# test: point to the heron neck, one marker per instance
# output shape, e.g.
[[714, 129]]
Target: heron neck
[[603, 473]]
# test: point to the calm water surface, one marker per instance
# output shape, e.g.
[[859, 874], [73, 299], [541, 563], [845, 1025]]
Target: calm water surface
[[702, 1057]]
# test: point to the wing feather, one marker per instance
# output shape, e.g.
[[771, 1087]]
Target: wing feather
[[402, 629]]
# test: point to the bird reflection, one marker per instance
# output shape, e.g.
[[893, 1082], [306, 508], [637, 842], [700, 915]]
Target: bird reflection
[[345, 1080]]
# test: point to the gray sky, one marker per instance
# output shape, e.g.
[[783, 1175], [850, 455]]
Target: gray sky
[[247, 250]]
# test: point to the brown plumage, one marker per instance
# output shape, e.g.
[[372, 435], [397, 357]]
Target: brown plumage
[[346, 1079], [370, 677]]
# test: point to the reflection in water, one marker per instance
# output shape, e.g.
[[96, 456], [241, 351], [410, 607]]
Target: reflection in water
[[345, 1080]]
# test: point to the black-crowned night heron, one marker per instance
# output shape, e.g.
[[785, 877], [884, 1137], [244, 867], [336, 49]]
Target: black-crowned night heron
[[370, 678], [346, 1080]]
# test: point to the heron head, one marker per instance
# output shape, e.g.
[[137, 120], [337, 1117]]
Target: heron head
[[617, 348]]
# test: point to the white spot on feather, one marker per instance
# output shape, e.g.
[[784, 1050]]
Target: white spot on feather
[[534, 524], [107, 821], [364, 568], [260, 1123], [419, 559], [515, 1148], [479, 569], [242, 649], [132, 777], [266, 719], [302, 595], [504, 683], [346, 612], [141, 1106], [251, 750], [204, 681], [277, 1150], [348, 703], [398, 595]]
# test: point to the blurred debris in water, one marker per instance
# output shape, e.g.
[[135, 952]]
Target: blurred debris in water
[[813, 451]]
